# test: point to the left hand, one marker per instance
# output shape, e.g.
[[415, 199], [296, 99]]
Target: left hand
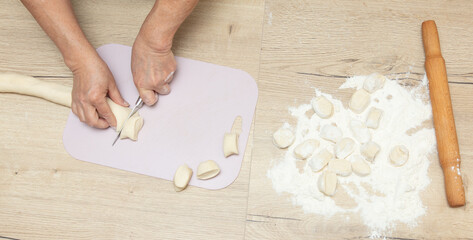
[[152, 68]]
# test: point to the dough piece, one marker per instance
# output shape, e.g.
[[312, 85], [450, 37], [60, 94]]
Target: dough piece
[[340, 167], [322, 107], [237, 126], [306, 148], [230, 144], [374, 116], [360, 131], [360, 166], [26, 85], [327, 183], [132, 126], [207, 170], [369, 150], [399, 155], [331, 133], [344, 148], [374, 82], [283, 138], [182, 177], [359, 101], [320, 160]]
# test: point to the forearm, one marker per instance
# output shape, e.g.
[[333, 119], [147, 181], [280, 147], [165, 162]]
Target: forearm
[[58, 21], [163, 21]]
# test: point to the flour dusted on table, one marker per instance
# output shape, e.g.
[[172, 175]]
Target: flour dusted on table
[[385, 194]]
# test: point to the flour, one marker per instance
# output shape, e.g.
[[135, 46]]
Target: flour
[[389, 194]]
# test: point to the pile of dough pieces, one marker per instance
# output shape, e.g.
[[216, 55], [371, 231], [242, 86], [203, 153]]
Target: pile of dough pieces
[[209, 169], [337, 160]]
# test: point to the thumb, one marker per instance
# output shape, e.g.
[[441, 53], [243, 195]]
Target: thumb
[[115, 95], [149, 96]]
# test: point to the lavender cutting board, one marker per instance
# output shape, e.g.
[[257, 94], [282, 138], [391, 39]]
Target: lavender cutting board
[[186, 126]]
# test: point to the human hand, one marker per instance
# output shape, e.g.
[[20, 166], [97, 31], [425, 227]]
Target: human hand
[[92, 82], [152, 67]]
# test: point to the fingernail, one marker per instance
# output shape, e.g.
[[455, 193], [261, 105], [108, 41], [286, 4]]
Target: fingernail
[[126, 103], [166, 89], [168, 77]]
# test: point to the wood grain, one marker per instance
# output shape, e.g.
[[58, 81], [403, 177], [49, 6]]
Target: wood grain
[[46, 194]]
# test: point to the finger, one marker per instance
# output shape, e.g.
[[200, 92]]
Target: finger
[[92, 118], [104, 112], [77, 112], [149, 96], [163, 89], [115, 95], [80, 114]]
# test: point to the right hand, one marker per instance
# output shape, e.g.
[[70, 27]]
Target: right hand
[[92, 82]]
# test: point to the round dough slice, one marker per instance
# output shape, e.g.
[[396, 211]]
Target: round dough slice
[[359, 166], [359, 101], [360, 131], [369, 150], [207, 170], [374, 82], [344, 148], [399, 155], [306, 148], [182, 177], [320, 160], [374, 116], [341, 167], [331, 133], [283, 138], [322, 107], [327, 183]]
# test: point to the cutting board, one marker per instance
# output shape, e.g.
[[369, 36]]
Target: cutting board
[[184, 127]]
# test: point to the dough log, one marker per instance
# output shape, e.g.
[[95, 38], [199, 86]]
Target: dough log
[[60, 94], [26, 85]]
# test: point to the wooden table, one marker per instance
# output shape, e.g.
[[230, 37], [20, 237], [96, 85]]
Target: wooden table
[[289, 47]]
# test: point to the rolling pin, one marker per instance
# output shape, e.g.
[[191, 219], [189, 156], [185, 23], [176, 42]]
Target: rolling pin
[[444, 123]]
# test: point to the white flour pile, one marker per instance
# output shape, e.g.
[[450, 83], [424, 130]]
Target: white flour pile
[[389, 194]]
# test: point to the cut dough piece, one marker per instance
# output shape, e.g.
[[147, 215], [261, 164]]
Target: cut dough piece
[[344, 148], [230, 144], [340, 167], [327, 183], [399, 155], [360, 166], [322, 107], [359, 101], [320, 160], [132, 126], [207, 170], [331, 133], [360, 131], [374, 116], [283, 138], [182, 177], [369, 150], [374, 82], [237, 126], [306, 148]]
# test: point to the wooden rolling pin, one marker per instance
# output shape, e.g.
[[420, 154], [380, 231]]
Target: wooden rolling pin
[[447, 143]]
